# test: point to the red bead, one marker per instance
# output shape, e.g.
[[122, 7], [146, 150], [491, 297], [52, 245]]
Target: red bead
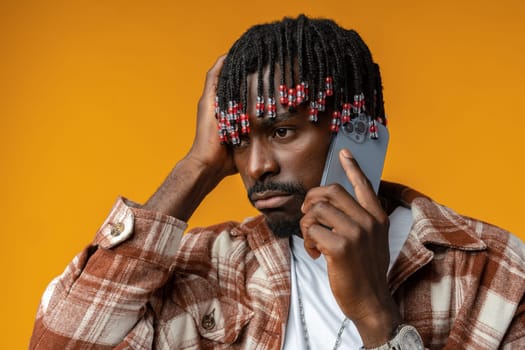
[[329, 87], [291, 98]]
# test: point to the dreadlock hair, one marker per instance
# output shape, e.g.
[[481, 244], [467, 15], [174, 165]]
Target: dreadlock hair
[[319, 62]]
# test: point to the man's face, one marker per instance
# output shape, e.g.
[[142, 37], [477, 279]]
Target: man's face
[[280, 160]]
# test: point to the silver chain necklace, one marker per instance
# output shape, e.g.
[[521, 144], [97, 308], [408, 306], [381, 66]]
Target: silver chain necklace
[[338, 339]]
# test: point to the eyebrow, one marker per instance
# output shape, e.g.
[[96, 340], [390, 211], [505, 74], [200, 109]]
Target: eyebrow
[[280, 117]]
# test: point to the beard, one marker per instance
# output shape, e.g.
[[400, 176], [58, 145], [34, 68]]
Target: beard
[[282, 224], [284, 228]]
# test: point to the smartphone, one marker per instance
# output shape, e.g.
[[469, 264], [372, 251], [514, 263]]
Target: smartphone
[[368, 152]]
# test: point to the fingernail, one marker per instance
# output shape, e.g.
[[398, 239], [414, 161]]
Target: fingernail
[[346, 153]]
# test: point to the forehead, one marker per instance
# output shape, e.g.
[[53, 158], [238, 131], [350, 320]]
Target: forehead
[[282, 116]]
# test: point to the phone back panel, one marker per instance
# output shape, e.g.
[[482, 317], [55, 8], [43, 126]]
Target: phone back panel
[[369, 153]]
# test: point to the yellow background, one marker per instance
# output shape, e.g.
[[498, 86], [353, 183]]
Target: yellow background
[[97, 98]]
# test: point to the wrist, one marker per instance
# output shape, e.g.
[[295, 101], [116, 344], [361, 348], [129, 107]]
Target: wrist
[[404, 337], [377, 327], [184, 189], [214, 169]]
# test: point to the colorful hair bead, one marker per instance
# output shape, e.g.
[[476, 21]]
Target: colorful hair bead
[[217, 108], [305, 90], [336, 121], [283, 95], [321, 101], [301, 95], [230, 110], [223, 129], [329, 85], [312, 112], [292, 99], [259, 107], [245, 123], [271, 108], [232, 133], [355, 105], [222, 136], [346, 113], [359, 103], [373, 130]]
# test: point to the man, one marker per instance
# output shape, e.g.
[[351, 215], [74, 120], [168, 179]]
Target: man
[[316, 269]]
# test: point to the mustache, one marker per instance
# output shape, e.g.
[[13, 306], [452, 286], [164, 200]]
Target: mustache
[[286, 187]]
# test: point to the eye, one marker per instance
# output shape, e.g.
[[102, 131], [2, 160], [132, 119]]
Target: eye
[[282, 133]]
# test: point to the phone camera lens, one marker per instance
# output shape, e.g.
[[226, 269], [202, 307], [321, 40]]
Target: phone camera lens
[[360, 128], [349, 127]]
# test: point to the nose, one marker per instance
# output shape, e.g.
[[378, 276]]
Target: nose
[[262, 161]]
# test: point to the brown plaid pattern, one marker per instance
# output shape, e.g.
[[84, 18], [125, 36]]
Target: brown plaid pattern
[[143, 285]]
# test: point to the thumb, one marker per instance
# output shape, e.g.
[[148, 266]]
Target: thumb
[[350, 165]]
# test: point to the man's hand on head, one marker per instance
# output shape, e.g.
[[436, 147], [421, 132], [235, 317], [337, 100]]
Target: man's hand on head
[[203, 167], [207, 147], [352, 234]]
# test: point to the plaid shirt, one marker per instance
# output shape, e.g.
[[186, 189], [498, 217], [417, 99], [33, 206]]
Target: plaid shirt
[[143, 285]]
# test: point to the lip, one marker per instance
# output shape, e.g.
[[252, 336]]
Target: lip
[[270, 199]]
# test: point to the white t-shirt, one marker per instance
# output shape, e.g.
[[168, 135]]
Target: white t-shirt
[[321, 312]]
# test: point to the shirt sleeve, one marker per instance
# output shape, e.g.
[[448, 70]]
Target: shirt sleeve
[[101, 299]]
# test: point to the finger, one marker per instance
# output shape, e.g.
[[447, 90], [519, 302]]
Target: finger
[[334, 194], [320, 240], [216, 68], [312, 232], [323, 227], [212, 76], [206, 105], [364, 192], [327, 215], [310, 245]]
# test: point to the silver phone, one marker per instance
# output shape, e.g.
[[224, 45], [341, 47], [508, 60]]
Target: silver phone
[[368, 152]]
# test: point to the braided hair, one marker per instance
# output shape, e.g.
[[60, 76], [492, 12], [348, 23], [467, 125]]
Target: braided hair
[[319, 63]]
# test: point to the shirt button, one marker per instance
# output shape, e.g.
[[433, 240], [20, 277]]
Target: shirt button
[[208, 321], [117, 229]]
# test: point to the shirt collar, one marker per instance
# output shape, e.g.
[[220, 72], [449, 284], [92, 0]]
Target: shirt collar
[[432, 223], [433, 226]]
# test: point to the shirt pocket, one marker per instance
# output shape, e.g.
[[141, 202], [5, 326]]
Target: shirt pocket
[[220, 319]]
